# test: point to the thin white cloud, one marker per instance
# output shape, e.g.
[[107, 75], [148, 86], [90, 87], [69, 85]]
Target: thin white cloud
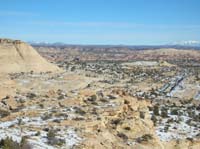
[[115, 24]]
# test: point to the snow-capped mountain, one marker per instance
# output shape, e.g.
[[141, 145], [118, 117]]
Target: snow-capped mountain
[[46, 43], [187, 43]]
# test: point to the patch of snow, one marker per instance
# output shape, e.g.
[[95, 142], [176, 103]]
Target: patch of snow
[[70, 136], [23, 82], [197, 96], [13, 133], [176, 131], [39, 144], [7, 124]]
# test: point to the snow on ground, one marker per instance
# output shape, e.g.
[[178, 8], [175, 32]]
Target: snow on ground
[[142, 63], [35, 121], [7, 124], [177, 90], [70, 136], [24, 82], [15, 131], [12, 128], [176, 130], [38, 144], [197, 96]]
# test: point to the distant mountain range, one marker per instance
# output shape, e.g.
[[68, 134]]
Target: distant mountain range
[[178, 45], [191, 43], [47, 43]]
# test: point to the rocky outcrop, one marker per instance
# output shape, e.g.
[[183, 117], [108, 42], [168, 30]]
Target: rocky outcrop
[[18, 56]]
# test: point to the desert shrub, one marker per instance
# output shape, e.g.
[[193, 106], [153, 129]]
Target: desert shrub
[[62, 115], [123, 136], [190, 139], [73, 68], [150, 108], [144, 138], [142, 114], [111, 97], [4, 113], [52, 140], [174, 112], [170, 120], [79, 111], [79, 118], [19, 108], [156, 110], [154, 119], [191, 113], [8, 143], [22, 100], [92, 98], [198, 135], [41, 105], [46, 129], [31, 72], [31, 95], [166, 128], [46, 116], [164, 112], [51, 134], [198, 108], [20, 121], [94, 111], [115, 121], [60, 97], [38, 133], [127, 128], [126, 102], [57, 121], [196, 118], [103, 100]]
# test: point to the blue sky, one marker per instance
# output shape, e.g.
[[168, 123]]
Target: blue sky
[[131, 22]]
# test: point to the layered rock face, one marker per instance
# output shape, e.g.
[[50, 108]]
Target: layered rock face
[[18, 56]]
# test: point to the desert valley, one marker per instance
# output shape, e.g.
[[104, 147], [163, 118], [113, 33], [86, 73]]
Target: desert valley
[[73, 96]]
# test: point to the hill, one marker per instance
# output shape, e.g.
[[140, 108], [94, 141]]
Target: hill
[[18, 56]]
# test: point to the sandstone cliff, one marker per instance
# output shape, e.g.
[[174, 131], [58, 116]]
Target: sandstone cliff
[[18, 56]]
